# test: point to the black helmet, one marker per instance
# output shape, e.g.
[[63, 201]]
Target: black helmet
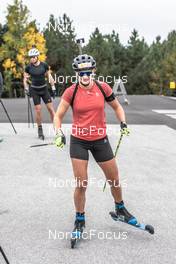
[[83, 62]]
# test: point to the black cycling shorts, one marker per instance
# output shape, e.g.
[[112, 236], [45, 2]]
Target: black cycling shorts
[[100, 149], [38, 94]]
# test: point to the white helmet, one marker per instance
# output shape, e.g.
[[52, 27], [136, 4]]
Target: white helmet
[[83, 62], [33, 52]]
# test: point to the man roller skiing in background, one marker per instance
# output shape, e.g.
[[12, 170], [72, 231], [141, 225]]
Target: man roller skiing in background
[[38, 70], [87, 99]]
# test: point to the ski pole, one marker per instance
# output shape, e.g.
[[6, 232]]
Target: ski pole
[[32, 117], [118, 145], [4, 256], [115, 154], [28, 115], [30, 112], [8, 116]]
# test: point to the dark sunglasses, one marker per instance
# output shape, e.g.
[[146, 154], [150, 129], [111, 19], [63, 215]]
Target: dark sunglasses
[[88, 73]]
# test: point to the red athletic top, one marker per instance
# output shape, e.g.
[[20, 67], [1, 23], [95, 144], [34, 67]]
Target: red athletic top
[[89, 120]]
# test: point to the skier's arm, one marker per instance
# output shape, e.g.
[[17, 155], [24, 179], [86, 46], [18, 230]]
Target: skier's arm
[[61, 111], [25, 81], [52, 83], [50, 78], [118, 109]]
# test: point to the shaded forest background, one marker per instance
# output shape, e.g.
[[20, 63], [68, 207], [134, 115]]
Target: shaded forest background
[[149, 68]]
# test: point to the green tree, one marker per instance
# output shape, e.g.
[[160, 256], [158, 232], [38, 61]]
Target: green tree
[[3, 30], [16, 18], [16, 41], [117, 67], [168, 63], [61, 45], [100, 49], [148, 75], [136, 50]]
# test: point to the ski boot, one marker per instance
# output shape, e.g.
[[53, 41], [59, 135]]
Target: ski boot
[[40, 133], [122, 214], [79, 226]]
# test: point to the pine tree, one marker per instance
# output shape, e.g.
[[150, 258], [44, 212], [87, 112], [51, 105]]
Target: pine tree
[[61, 45], [136, 50], [99, 48]]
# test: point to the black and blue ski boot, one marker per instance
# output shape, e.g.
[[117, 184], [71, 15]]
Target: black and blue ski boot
[[123, 215], [79, 226]]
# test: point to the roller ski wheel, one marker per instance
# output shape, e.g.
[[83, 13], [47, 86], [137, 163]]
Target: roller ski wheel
[[76, 234], [133, 222], [73, 243], [40, 133], [150, 229]]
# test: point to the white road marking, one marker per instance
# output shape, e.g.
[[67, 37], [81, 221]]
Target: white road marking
[[168, 112], [173, 98], [172, 116], [165, 111]]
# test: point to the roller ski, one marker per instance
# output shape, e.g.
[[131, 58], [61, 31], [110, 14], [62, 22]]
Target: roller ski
[[121, 214], [79, 226], [40, 133]]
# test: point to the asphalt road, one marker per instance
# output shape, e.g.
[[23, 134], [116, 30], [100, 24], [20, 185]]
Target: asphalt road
[[140, 110], [36, 189]]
